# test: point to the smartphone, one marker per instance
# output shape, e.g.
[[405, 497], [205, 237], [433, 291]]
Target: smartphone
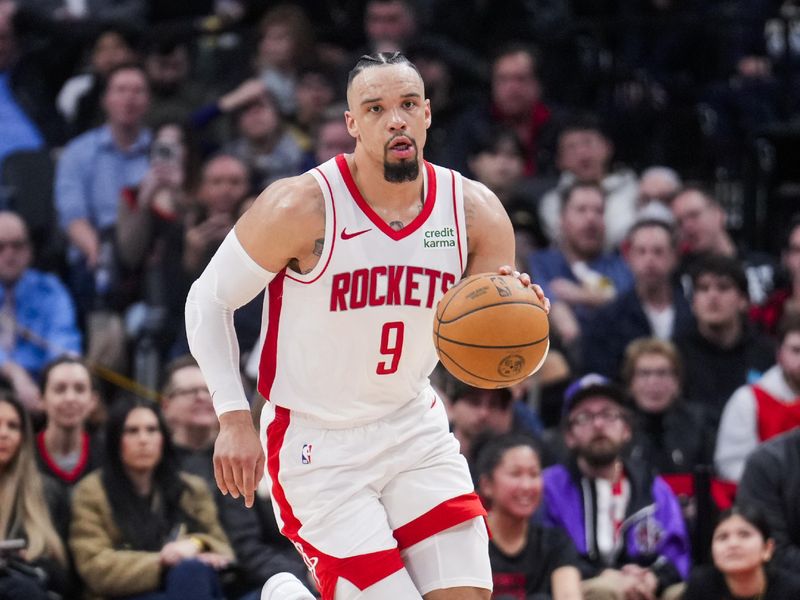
[[164, 152], [12, 545]]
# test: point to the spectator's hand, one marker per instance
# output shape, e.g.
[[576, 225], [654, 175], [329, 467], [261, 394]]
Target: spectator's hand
[[174, 552], [238, 456], [566, 290], [198, 238], [214, 560], [160, 175], [525, 280], [83, 234], [247, 92], [646, 582]]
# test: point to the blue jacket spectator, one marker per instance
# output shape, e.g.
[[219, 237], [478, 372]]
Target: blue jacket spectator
[[37, 315]]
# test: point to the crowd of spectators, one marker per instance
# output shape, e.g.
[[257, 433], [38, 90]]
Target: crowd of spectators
[[639, 147]]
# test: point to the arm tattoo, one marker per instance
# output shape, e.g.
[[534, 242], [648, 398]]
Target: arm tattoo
[[469, 217], [396, 225], [318, 245]]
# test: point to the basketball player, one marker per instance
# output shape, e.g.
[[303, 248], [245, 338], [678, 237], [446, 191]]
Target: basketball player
[[366, 479]]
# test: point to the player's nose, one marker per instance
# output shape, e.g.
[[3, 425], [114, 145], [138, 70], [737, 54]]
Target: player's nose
[[396, 120]]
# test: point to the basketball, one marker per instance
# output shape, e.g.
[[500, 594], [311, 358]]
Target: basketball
[[491, 331]]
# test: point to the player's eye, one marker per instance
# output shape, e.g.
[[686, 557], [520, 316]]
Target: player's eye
[[375, 109], [408, 104]]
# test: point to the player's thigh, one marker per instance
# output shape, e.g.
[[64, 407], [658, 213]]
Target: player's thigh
[[326, 504], [452, 562], [435, 471]]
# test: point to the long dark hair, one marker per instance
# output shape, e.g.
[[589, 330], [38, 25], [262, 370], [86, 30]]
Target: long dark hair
[[145, 523]]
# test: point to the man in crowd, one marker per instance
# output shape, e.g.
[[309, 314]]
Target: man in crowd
[[654, 307], [626, 524], [37, 315], [762, 410]]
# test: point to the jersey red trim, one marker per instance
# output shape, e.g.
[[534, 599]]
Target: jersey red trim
[[333, 237], [362, 570], [427, 209], [269, 352], [448, 514], [68, 476], [455, 216]]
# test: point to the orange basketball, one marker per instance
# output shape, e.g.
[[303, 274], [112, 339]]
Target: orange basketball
[[491, 331]]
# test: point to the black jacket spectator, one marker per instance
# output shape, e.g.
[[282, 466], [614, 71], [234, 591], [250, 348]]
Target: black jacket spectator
[[771, 483], [673, 442], [619, 323], [712, 373]]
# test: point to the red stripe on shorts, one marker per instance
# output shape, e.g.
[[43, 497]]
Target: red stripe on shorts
[[362, 570], [448, 514]]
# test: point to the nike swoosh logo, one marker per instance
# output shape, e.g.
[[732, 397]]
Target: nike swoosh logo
[[347, 236]]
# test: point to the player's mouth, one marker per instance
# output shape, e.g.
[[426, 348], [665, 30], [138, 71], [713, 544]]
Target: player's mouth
[[401, 147]]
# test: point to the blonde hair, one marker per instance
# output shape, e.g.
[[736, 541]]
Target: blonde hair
[[642, 346], [22, 506]]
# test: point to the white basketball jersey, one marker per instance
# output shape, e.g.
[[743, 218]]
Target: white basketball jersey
[[352, 340]]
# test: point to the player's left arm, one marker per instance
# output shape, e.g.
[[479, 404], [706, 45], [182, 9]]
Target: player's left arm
[[490, 236]]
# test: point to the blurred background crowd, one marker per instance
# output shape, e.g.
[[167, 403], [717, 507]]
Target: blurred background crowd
[[646, 151]]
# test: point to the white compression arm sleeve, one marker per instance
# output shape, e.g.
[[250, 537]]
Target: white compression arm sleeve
[[229, 281]]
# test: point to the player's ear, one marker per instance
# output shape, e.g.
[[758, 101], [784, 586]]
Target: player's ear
[[427, 113], [350, 121]]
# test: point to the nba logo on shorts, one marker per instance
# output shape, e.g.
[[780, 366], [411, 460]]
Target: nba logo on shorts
[[305, 455]]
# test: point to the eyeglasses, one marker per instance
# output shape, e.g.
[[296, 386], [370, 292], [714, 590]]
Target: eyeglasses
[[15, 245], [583, 419], [192, 391]]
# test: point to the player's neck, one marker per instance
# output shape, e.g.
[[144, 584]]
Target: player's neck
[[368, 176]]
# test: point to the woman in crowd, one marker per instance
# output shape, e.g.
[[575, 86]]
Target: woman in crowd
[[668, 434], [528, 561], [39, 566], [66, 451], [741, 549], [141, 529]]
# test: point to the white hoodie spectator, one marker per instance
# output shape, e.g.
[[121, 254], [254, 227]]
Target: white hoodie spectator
[[758, 412]]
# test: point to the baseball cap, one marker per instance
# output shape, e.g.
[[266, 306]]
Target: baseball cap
[[589, 385]]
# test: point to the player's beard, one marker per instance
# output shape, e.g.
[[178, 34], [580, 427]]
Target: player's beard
[[600, 452], [405, 170]]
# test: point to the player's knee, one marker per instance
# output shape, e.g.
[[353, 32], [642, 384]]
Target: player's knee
[[455, 558]]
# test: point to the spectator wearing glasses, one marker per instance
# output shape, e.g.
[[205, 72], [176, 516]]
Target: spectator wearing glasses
[[37, 315], [657, 187], [190, 417], [625, 523]]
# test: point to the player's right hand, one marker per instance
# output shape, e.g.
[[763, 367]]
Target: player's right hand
[[238, 456]]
